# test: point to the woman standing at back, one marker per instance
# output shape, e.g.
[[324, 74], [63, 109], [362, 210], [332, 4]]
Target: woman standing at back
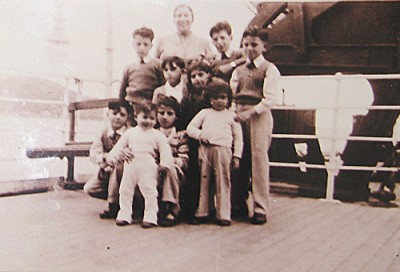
[[183, 43]]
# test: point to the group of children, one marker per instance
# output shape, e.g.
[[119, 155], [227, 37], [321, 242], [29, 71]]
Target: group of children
[[180, 128]]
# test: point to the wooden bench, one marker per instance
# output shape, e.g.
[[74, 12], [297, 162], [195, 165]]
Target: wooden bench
[[71, 149]]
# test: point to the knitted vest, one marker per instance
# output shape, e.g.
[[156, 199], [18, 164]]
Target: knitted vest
[[107, 141], [250, 85]]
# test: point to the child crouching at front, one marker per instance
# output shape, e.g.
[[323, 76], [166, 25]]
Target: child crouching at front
[[146, 144], [168, 110], [218, 132]]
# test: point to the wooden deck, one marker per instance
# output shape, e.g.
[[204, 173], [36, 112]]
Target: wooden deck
[[61, 231]]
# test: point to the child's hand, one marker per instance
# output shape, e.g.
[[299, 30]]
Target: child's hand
[[235, 162], [204, 140], [108, 168], [162, 170], [128, 154], [226, 68], [245, 115]]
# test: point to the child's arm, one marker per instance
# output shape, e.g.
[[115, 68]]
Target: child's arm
[[193, 129], [182, 158], [124, 84], [97, 153], [116, 154], [237, 144], [166, 158]]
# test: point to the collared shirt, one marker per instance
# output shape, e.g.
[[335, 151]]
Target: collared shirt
[[228, 53], [271, 87], [176, 91], [146, 59], [97, 149]]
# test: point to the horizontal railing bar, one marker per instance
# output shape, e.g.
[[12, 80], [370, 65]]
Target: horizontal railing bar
[[349, 138], [342, 167], [293, 107]]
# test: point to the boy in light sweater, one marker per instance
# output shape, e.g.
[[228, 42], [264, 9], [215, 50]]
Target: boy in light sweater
[[218, 134]]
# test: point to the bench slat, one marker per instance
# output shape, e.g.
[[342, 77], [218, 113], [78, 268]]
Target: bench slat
[[75, 150]]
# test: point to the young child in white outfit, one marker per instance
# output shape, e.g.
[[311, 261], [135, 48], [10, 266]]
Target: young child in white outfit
[[219, 134], [147, 145]]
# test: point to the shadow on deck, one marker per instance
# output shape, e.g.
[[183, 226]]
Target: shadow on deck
[[61, 231]]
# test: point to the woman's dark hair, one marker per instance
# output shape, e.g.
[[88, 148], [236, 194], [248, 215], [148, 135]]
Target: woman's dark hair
[[196, 65]]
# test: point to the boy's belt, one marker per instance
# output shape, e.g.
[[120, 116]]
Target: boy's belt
[[246, 99]]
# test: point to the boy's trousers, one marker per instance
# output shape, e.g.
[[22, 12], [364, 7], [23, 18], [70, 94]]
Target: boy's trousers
[[259, 128], [141, 171], [105, 185], [215, 165], [171, 187]]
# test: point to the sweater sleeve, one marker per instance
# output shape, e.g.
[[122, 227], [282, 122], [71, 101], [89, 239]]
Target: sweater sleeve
[[237, 139], [193, 129], [96, 153], [124, 84], [166, 158], [270, 89], [116, 154]]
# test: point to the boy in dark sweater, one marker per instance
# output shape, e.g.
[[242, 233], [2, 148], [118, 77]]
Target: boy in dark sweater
[[144, 74]]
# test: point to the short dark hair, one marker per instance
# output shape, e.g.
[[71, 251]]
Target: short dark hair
[[145, 32], [255, 31], [173, 60], [221, 26], [169, 101], [117, 105], [145, 108], [217, 86]]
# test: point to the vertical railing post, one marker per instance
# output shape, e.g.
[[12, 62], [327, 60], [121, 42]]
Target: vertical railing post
[[65, 116], [333, 163]]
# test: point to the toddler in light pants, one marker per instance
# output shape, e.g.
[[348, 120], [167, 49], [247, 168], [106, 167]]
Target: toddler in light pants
[[145, 144]]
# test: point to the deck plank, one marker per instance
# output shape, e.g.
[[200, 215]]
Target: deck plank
[[61, 231]]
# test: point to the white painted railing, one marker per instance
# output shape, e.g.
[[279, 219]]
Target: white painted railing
[[334, 163]]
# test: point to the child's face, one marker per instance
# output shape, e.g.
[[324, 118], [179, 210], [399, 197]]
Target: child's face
[[118, 119], [172, 74], [219, 101], [221, 41], [166, 116], [146, 121], [142, 45], [253, 47], [199, 78]]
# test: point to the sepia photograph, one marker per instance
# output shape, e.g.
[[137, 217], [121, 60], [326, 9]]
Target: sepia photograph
[[199, 135]]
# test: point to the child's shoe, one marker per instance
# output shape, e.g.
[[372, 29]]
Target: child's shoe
[[223, 222], [121, 223], [168, 221], [111, 213], [259, 219], [148, 225], [383, 195], [198, 220]]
